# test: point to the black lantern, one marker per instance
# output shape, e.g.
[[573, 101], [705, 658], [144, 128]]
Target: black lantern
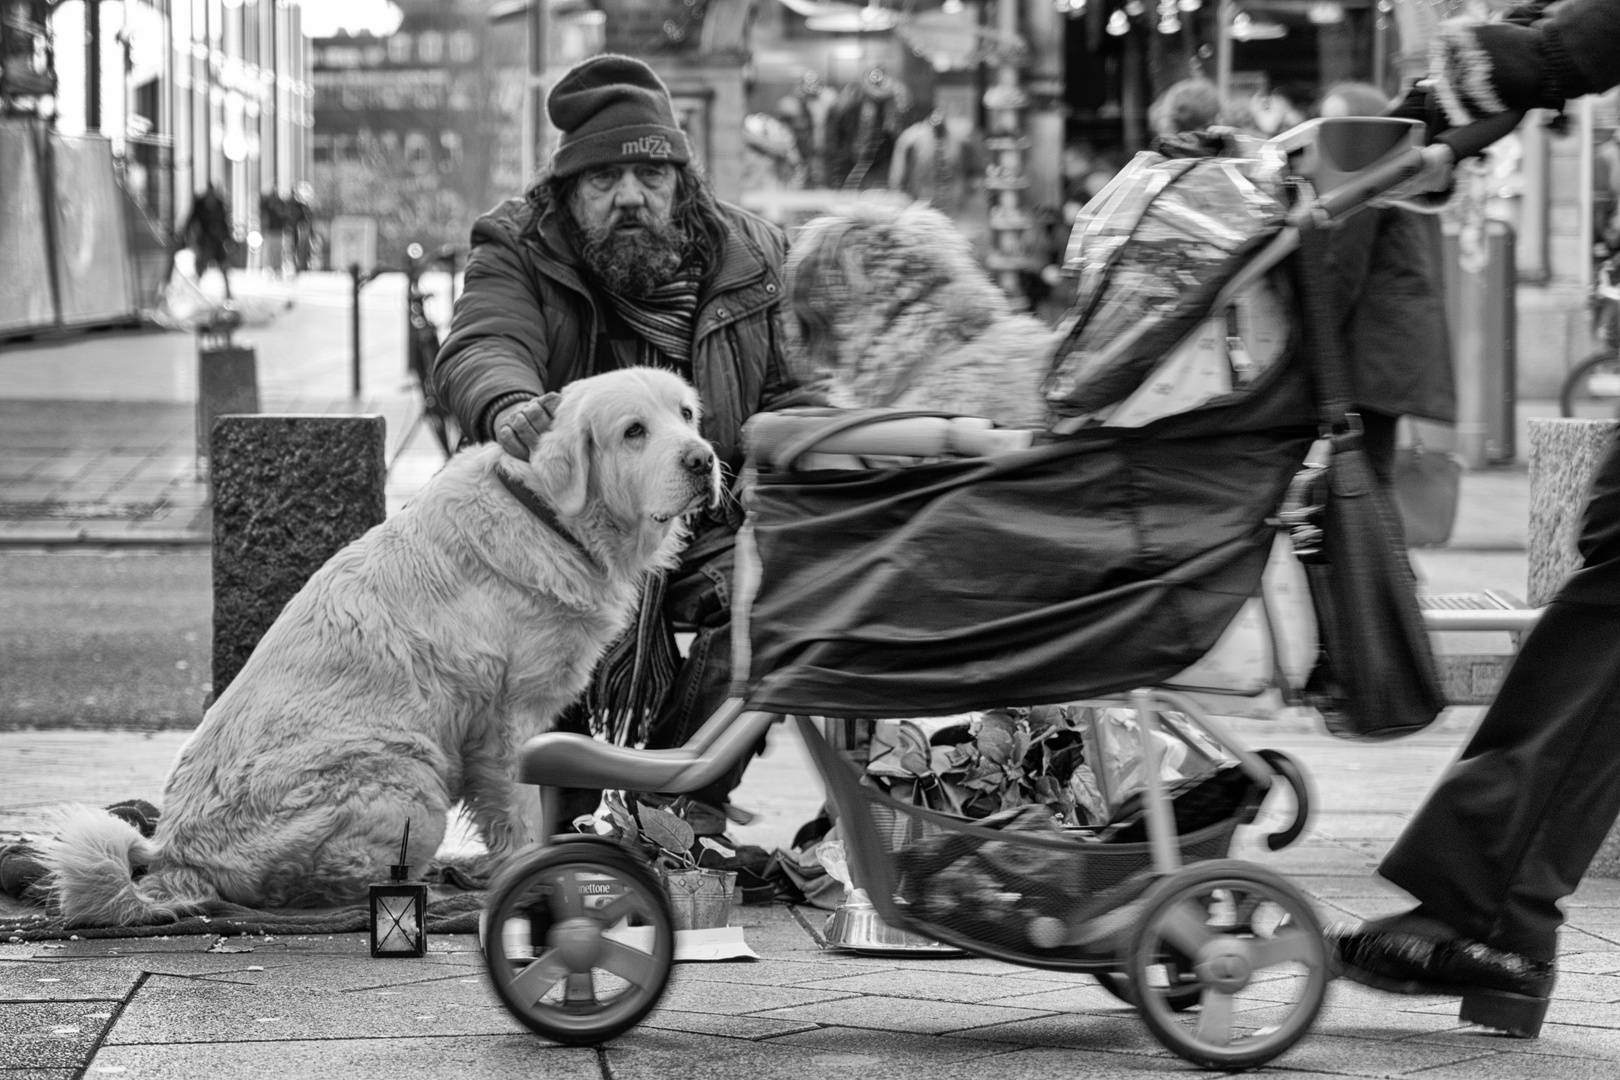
[[399, 910]]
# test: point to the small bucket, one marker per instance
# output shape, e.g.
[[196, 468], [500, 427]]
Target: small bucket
[[700, 899]]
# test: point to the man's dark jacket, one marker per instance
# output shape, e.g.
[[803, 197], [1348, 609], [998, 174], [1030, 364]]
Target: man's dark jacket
[[527, 321]]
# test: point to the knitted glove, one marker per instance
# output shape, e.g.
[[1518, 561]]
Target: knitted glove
[[1480, 69]]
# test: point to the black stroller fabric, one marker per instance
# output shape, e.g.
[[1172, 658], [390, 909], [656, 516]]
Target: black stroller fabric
[[1077, 569]]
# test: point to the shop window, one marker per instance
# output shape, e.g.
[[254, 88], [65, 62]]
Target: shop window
[[339, 56], [430, 47]]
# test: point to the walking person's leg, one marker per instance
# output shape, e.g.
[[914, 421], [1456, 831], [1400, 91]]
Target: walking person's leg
[[1516, 821]]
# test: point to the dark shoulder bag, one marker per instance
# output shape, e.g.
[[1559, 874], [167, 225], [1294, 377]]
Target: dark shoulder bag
[[1376, 678]]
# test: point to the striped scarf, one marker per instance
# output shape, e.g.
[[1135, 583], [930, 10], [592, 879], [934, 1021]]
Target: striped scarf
[[634, 677], [663, 317]]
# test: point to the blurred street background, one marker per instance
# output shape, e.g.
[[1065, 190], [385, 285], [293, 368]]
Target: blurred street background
[[351, 141]]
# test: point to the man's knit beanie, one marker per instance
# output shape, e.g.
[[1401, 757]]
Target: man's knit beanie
[[613, 109]]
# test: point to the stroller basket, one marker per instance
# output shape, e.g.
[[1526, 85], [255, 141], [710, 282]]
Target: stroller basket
[[1025, 892]]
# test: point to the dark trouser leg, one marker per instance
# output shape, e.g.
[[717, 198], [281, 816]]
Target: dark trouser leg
[[699, 596], [1514, 824]]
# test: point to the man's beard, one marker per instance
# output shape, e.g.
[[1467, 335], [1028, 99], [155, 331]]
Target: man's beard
[[632, 262]]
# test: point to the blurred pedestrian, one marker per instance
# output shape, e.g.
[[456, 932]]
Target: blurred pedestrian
[[208, 233], [620, 255], [1183, 111], [1606, 193], [1515, 822], [301, 225], [1238, 114], [770, 164], [273, 228]]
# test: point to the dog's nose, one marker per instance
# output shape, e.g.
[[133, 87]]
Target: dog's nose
[[699, 460]]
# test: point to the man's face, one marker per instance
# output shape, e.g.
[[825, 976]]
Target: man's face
[[624, 217], [625, 196]]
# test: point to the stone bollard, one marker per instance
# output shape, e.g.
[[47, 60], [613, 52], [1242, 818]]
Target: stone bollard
[[289, 492], [1563, 456]]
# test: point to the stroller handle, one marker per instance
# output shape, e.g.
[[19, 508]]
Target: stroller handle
[[1445, 151], [1365, 187]]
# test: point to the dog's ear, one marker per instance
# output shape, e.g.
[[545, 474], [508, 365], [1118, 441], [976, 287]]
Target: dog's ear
[[562, 462]]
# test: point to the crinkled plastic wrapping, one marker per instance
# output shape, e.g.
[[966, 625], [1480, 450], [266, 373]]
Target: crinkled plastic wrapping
[[1152, 251]]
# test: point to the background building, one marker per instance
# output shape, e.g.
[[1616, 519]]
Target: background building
[[421, 127], [147, 101]]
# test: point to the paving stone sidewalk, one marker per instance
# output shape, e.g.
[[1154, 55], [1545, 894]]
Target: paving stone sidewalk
[[97, 430], [319, 1007]]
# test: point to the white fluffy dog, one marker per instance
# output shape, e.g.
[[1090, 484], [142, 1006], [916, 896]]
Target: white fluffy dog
[[409, 670], [894, 312]]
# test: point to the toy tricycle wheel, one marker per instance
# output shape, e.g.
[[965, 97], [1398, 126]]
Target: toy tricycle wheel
[[578, 940], [1256, 950]]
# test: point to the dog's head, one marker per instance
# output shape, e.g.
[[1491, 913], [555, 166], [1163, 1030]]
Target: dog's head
[[624, 452]]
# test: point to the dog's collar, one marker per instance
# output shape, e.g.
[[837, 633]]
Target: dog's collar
[[548, 517]]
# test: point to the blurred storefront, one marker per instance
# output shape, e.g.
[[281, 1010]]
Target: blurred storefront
[[1275, 57], [115, 113], [419, 124]]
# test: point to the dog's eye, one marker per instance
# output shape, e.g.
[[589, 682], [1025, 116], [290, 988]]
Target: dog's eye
[[635, 431], [686, 413]]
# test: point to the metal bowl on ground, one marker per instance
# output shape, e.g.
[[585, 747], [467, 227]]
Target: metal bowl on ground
[[855, 926]]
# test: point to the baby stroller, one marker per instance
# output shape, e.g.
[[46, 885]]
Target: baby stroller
[[902, 564]]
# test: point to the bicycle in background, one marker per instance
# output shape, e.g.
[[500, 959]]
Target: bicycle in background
[[1592, 388], [422, 340]]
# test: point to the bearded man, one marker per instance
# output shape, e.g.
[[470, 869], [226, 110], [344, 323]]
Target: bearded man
[[619, 255]]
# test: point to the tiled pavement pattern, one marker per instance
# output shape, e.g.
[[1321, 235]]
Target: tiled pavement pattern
[[320, 1008]]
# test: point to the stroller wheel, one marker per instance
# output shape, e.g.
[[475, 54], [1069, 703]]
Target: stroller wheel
[[1183, 995], [578, 940], [1257, 955]]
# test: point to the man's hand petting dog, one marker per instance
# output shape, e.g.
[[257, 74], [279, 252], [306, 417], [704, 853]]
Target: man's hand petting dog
[[518, 427]]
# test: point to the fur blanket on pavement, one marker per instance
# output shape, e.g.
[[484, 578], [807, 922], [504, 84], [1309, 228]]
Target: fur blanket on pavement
[[893, 312]]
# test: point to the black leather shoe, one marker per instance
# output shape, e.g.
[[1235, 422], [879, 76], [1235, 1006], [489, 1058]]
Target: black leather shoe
[[1413, 954]]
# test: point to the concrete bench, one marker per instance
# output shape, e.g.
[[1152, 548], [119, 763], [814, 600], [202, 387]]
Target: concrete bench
[[1472, 678]]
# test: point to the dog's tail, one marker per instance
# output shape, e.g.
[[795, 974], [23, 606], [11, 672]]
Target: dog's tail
[[92, 862]]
